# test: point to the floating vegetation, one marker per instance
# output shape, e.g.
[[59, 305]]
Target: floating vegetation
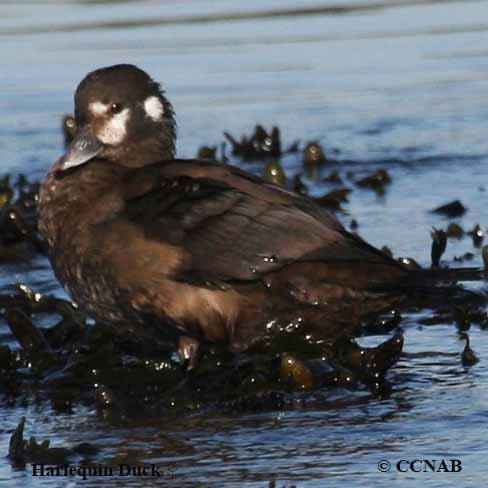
[[260, 144], [484, 254], [439, 243], [313, 154], [299, 186], [467, 256], [454, 231], [296, 372], [19, 239], [332, 177], [272, 484], [333, 199], [387, 251], [369, 364], [468, 357], [375, 181], [384, 324], [215, 154], [274, 173], [451, 209], [22, 451], [74, 361], [477, 235], [313, 159]]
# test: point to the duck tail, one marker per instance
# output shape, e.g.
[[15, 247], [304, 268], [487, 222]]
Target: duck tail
[[439, 276], [438, 286]]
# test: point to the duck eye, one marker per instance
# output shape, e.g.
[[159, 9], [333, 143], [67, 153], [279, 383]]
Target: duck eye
[[115, 108]]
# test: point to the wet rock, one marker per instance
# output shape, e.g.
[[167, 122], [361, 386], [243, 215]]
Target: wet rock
[[439, 243], [451, 209]]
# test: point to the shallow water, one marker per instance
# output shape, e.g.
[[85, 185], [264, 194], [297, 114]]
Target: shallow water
[[400, 85]]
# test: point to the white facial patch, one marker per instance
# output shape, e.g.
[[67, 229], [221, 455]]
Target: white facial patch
[[154, 108], [98, 108], [115, 129]]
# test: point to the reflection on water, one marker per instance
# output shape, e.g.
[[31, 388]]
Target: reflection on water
[[400, 85]]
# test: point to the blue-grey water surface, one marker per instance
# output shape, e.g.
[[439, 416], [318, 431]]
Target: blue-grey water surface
[[396, 84]]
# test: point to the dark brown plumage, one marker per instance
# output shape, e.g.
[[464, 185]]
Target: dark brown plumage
[[206, 251]]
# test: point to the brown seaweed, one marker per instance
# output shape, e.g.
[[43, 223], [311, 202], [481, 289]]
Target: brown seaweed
[[451, 209]]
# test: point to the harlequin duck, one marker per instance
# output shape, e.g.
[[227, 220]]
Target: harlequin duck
[[206, 251]]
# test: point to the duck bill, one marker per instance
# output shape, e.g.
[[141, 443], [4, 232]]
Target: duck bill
[[85, 146]]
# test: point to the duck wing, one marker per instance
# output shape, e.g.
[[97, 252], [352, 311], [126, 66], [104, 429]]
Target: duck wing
[[233, 226]]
